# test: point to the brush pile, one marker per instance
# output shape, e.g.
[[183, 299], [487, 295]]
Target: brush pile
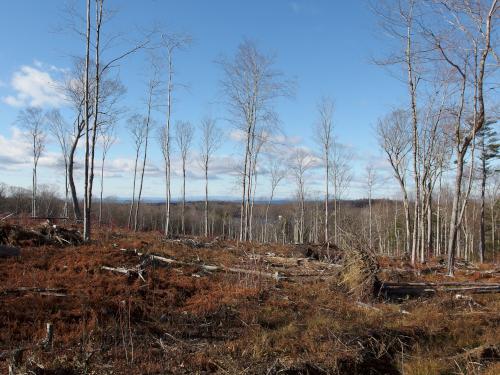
[[358, 274], [45, 234]]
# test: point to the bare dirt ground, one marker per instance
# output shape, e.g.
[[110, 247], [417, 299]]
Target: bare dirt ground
[[216, 307]]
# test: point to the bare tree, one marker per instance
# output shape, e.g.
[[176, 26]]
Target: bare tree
[[153, 86], [394, 137], [211, 139], [371, 180], [32, 121], [74, 90], [277, 173], [399, 20], [324, 138], [108, 137], [300, 164], [463, 43], [184, 132], [171, 43], [60, 130], [99, 117], [137, 130], [251, 85], [86, 120], [164, 141], [341, 177], [261, 139]]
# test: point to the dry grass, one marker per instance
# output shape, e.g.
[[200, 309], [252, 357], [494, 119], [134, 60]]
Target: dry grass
[[182, 320]]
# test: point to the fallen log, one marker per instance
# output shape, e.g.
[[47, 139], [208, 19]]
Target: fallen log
[[402, 290], [209, 268], [129, 272], [6, 217], [192, 243]]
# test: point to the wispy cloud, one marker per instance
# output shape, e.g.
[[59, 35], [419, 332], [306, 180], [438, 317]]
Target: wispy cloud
[[15, 153], [35, 86]]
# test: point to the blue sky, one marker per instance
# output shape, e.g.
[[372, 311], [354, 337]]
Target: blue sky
[[326, 46]]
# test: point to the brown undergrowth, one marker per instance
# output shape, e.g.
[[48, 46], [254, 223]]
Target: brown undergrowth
[[183, 319]]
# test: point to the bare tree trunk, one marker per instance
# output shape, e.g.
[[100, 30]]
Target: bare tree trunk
[[86, 219], [148, 121], [430, 249], [99, 5], [493, 228], [243, 217], [102, 188], [129, 221], [71, 158], [482, 236], [327, 176], [438, 219], [167, 151], [266, 215], [66, 190], [370, 220], [206, 199], [454, 223], [413, 94], [183, 209]]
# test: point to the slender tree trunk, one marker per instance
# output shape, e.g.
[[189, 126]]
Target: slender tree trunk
[[33, 195], [74, 198], [430, 249], [183, 209], [454, 222], [99, 4], [129, 221], [267, 212], [66, 190], [148, 120], [167, 151], [482, 236], [243, 224], [102, 188], [327, 176], [413, 95], [335, 219], [370, 221], [438, 218], [206, 197], [493, 228], [86, 219]]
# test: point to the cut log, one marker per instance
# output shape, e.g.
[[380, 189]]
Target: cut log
[[130, 272], [401, 290]]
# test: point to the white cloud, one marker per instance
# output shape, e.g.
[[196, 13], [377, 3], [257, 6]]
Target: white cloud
[[15, 153], [34, 87], [237, 135]]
